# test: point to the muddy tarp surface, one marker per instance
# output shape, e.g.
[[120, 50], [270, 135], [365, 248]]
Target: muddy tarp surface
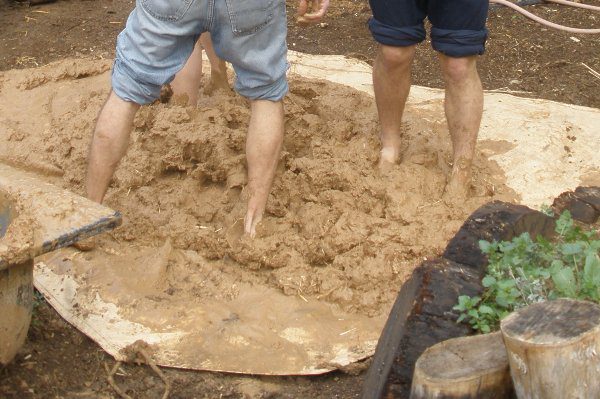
[[312, 291]]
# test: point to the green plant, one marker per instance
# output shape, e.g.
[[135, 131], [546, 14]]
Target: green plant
[[524, 271], [547, 210]]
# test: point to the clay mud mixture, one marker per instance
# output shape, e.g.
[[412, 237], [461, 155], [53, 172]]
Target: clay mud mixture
[[335, 229]]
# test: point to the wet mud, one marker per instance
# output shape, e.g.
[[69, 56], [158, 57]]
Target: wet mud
[[336, 229]]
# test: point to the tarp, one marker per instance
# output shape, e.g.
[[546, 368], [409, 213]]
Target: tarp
[[543, 147]]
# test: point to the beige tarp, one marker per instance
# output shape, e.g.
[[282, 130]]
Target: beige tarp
[[532, 141]]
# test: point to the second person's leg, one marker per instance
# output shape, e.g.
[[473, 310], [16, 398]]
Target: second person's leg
[[464, 108], [218, 68], [459, 35], [391, 82], [187, 81], [398, 27]]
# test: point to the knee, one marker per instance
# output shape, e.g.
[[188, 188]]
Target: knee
[[396, 57], [115, 120], [458, 70], [104, 135]]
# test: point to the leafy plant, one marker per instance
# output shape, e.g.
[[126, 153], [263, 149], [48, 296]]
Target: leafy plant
[[547, 210], [523, 271]]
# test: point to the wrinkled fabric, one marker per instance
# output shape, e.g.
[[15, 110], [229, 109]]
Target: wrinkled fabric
[[160, 36], [458, 25]]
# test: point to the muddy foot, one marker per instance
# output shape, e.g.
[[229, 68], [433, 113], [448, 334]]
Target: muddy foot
[[388, 157], [252, 220], [459, 184]]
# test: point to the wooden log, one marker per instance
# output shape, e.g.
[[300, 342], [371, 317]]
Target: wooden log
[[554, 350], [387, 346], [494, 221], [474, 367], [16, 303], [590, 195], [583, 203], [421, 317]]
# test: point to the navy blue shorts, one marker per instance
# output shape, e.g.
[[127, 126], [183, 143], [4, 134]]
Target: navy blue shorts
[[458, 25]]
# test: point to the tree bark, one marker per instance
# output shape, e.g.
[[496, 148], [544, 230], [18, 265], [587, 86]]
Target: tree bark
[[554, 350], [468, 367]]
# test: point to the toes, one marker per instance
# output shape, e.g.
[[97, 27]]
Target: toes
[[250, 222], [457, 189]]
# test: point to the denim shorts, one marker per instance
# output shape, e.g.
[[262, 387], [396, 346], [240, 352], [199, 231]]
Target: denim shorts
[[458, 26], [160, 35]]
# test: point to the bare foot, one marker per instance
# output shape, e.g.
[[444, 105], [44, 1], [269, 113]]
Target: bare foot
[[458, 185], [390, 151], [256, 203], [388, 157], [253, 217]]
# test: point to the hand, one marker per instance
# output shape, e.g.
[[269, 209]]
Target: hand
[[319, 8]]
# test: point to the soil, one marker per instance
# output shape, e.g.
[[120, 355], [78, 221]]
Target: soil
[[522, 56], [58, 361]]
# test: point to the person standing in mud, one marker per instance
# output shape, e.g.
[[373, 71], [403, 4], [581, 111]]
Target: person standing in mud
[[458, 33], [156, 43]]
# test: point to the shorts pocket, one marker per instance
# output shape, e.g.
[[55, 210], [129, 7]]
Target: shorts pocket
[[250, 16], [167, 10]]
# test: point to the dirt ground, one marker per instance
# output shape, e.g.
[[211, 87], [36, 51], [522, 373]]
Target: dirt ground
[[58, 361]]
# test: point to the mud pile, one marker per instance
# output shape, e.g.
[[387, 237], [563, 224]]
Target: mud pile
[[335, 228]]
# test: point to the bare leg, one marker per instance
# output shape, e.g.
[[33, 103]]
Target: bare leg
[[218, 69], [391, 81], [109, 144], [464, 108], [263, 146], [188, 80]]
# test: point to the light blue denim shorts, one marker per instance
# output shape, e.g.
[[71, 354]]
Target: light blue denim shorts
[[160, 35]]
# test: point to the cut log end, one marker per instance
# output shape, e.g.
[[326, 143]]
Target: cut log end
[[552, 322], [554, 349], [461, 358], [467, 367]]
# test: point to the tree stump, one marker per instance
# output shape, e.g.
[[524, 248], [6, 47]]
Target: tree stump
[[468, 367], [554, 350]]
